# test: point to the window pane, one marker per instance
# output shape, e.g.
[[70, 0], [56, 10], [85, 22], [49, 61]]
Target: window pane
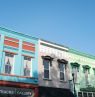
[[86, 77], [46, 73], [93, 94], [8, 69], [80, 94], [61, 76], [27, 58], [85, 94], [8, 63], [26, 72], [61, 66], [89, 94], [27, 66], [9, 55], [46, 64]]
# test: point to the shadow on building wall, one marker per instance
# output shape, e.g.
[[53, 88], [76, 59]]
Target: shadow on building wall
[[47, 87]]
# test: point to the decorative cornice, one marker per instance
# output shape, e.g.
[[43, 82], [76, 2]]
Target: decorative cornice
[[59, 46], [18, 33], [62, 61], [81, 53], [86, 67], [47, 57], [75, 64]]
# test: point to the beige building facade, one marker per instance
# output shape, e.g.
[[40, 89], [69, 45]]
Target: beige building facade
[[57, 73]]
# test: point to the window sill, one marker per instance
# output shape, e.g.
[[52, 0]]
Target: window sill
[[47, 79], [12, 75], [77, 83], [63, 81], [11, 47]]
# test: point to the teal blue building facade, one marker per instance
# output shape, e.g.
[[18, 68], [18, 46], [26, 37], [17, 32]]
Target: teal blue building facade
[[20, 50]]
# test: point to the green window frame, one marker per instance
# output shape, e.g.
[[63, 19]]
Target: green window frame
[[94, 70], [86, 67], [75, 65]]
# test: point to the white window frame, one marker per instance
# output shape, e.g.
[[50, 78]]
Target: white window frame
[[86, 70], [30, 67], [73, 72], [62, 72], [47, 69], [12, 71]]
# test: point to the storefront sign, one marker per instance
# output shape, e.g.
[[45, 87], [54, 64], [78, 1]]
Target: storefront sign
[[16, 91]]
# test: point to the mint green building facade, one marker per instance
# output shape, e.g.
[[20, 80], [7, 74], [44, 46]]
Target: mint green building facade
[[82, 70]]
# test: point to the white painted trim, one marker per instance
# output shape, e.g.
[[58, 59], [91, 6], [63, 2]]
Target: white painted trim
[[31, 69], [49, 72], [13, 64], [11, 40], [54, 45]]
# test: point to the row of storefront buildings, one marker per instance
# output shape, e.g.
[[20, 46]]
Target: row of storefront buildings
[[32, 67]]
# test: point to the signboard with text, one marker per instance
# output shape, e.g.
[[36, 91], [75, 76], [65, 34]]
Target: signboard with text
[[16, 91]]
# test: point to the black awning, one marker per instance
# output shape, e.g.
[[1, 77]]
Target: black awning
[[16, 91], [54, 92]]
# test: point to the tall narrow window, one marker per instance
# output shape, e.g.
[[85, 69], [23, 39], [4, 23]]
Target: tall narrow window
[[86, 76], [8, 68], [62, 71], [94, 71], [27, 66], [47, 62], [62, 66], [86, 69], [46, 68], [75, 69]]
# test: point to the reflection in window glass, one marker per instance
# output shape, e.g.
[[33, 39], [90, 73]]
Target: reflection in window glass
[[8, 69], [89, 94], [46, 64], [62, 71], [93, 94], [80, 94], [84, 94], [27, 66]]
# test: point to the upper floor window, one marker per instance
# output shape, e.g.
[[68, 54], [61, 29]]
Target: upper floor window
[[27, 66], [9, 62], [86, 76], [75, 69], [62, 66], [46, 68], [47, 62], [75, 72], [94, 70], [62, 71], [86, 70]]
